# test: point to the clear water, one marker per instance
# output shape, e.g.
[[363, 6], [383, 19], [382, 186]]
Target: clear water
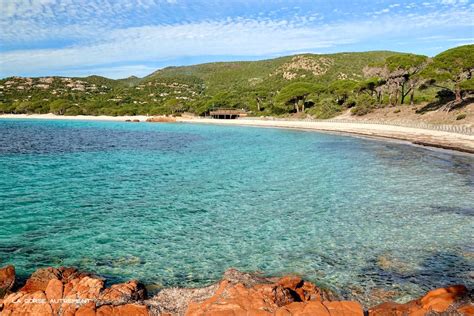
[[178, 204]]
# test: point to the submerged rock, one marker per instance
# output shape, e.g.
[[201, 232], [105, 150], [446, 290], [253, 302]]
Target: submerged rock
[[389, 263]]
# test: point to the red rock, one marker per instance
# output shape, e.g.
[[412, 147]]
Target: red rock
[[7, 279], [54, 292], [124, 293], [41, 277], [67, 292], [105, 310], [290, 282], [161, 119], [440, 299], [86, 310], [287, 296], [27, 304], [131, 309], [123, 310], [84, 288], [467, 309], [39, 280], [389, 308], [342, 308], [80, 291]]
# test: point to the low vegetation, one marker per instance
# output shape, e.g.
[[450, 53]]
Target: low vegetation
[[320, 86]]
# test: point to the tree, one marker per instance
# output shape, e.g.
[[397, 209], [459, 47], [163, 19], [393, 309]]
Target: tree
[[232, 99], [295, 94], [59, 106], [454, 67], [398, 75], [403, 69], [261, 96], [175, 105], [372, 87], [467, 85], [342, 89]]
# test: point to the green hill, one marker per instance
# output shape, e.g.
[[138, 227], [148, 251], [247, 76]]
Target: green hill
[[318, 85]]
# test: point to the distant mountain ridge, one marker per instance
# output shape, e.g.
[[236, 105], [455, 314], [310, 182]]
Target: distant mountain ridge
[[252, 85]]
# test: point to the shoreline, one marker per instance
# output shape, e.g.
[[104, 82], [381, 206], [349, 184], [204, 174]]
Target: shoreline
[[67, 290], [416, 136]]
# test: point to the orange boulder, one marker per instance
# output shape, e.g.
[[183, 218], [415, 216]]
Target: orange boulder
[[7, 279], [467, 309], [26, 304], [66, 292], [161, 119], [287, 296], [86, 310], [122, 310], [124, 293], [325, 308], [39, 280], [54, 293], [438, 300]]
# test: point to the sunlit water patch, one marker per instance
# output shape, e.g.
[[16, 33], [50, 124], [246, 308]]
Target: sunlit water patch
[[177, 204]]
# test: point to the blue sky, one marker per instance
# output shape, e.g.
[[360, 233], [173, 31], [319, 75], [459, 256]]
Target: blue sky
[[120, 38]]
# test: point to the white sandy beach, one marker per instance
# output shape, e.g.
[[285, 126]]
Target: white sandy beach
[[426, 137]]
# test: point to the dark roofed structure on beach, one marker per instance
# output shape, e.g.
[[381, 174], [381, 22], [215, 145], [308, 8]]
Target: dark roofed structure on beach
[[229, 114]]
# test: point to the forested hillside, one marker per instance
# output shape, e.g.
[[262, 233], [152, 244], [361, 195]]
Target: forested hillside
[[320, 86]]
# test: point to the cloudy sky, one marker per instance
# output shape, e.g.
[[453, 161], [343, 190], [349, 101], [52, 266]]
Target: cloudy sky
[[119, 38]]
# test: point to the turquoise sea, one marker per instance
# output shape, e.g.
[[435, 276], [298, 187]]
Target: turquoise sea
[[178, 204]]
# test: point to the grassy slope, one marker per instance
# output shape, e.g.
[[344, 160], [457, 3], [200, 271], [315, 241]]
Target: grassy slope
[[225, 75], [193, 86]]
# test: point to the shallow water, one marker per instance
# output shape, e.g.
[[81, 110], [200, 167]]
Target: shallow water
[[177, 204]]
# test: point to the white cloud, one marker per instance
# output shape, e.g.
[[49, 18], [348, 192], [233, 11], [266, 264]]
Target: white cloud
[[111, 41], [116, 72], [155, 43], [454, 2]]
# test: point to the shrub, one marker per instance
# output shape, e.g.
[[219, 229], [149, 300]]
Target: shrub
[[325, 108], [351, 102], [364, 105], [361, 110], [74, 110], [460, 116]]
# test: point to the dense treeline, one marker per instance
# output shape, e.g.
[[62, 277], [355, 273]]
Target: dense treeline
[[318, 85]]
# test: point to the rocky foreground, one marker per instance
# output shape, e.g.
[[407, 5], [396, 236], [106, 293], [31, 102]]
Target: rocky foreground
[[67, 291]]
